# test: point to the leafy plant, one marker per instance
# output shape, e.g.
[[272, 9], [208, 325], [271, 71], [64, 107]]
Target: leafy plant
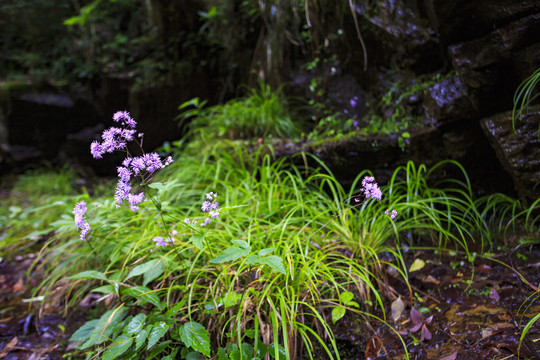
[[525, 95], [263, 113]]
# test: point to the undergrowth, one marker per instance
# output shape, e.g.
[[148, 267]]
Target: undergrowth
[[290, 254]]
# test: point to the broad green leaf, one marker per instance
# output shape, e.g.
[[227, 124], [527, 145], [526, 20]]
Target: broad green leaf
[[417, 265], [337, 313], [141, 338], [105, 289], [153, 273], [247, 350], [136, 324], [242, 244], [158, 349], [193, 355], [275, 262], [235, 354], [84, 332], [345, 297], [253, 259], [261, 349], [90, 274], [144, 294], [119, 346], [195, 335], [282, 354], [197, 241], [265, 252], [230, 299], [141, 269], [158, 330], [230, 254], [104, 327], [222, 354]]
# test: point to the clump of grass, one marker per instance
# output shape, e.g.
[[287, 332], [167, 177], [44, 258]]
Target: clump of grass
[[263, 113], [36, 200], [291, 254]]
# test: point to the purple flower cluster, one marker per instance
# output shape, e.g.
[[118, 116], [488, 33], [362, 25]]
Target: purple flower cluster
[[115, 138], [80, 221], [371, 189], [165, 242], [211, 206], [144, 166], [392, 214]]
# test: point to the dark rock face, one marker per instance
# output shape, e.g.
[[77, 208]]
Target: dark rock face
[[519, 150], [40, 121]]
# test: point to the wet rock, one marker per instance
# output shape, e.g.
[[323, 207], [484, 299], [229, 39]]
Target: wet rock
[[449, 100], [463, 20], [401, 35], [518, 151], [41, 120], [496, 46]]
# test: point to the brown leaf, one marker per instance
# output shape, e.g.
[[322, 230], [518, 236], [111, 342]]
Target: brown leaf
[[494, 295], [416, 316], [452, 356], [428, 279], [373, 347], [397, 308], [18, 286], [8, 347], [426, 334]]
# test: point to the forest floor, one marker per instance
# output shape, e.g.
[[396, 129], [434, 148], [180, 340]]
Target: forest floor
[[461, 311]]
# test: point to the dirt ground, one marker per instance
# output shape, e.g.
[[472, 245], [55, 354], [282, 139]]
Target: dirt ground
[[455, 311]]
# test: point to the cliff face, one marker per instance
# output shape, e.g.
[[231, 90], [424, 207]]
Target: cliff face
[[481, 53]]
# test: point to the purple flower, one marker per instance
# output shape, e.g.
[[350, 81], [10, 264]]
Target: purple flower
[[214, 214], [186, 221], [353, 101], [159, 241], [124, 118], [80, 221], [84, 230], [211, 196], [79, 211], [124, 174], [206, 206], [97, 150], [152, 162], [392, 214], [134, 200], [123, 189], [371, 189]]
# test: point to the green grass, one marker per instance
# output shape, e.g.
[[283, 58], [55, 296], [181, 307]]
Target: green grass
[[263, 113], [302, 253]]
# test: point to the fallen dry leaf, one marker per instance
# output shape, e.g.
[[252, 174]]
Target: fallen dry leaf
[[452, 356], [397, 308], [426, 334], [10, 345], [428, 279], [373, 347], [18, 286], [417, 265]]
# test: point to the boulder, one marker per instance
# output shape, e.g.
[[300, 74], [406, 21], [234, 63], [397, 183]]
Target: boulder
[[518, 149]]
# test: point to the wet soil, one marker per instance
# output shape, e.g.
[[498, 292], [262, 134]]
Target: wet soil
[[455, 310], [28, 330]]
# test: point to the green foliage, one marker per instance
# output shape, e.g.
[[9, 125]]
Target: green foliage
[[525, 96], [263, 113], [291, 250]]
